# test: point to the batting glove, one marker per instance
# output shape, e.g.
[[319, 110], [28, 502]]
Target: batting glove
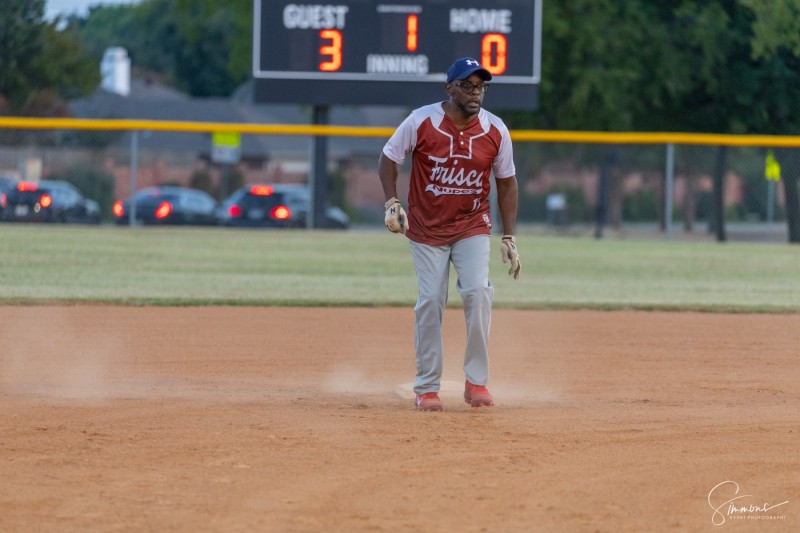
[[396, 219], [508, 249]]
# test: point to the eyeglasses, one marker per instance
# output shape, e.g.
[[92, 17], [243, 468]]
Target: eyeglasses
[[468, 87]]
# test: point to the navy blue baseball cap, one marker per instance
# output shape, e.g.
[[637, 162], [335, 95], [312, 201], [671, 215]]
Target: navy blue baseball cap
[[465, 67]]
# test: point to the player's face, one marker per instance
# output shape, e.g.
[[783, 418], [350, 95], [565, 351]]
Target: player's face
[[468, 102]]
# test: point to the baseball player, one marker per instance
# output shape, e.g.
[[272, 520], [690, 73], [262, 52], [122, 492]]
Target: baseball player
[[455, 146]]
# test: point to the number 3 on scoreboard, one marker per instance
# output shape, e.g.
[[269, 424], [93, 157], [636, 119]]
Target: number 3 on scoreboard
[[332, 50]]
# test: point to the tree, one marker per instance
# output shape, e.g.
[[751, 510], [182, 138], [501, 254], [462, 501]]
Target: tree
[[597, 74], [776, 27], [148, 31], [216, 54], [40, 66], [719, 66], [204, 54], [199, 46], [776, 43]]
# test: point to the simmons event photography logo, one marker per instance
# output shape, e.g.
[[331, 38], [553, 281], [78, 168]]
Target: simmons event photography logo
[[728, 504]]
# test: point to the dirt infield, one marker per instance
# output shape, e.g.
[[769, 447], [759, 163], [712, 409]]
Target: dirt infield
[[275, 419]]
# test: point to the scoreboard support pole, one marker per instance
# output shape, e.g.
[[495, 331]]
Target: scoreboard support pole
[[318, 173]]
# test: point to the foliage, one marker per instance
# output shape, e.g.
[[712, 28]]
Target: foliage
[[641, 206], [214, 58], [107, 26], [727, 66], [201, 180], [231, 179], [724, 66], [337, 190], [721, 66], [776, 27], [41, 66], [202, 61], [199, 46]]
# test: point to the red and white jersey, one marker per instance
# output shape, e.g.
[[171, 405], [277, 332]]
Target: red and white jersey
[[451, 169]]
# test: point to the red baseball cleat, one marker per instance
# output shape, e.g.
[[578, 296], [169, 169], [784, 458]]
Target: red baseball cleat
[[428, 401], [477, 395]]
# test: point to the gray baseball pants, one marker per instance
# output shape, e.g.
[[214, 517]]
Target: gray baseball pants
[[470, 257]]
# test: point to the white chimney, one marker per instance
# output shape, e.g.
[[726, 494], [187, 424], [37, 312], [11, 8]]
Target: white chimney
[[115, 68]]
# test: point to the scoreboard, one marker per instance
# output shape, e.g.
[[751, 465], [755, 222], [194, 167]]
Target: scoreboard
[[393, 52]]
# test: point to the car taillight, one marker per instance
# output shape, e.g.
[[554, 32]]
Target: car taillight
[[3, 200], [45, 201], [164, 210], [118, 209], [280, 212], [23, 186], [235, 211], [261, 190]]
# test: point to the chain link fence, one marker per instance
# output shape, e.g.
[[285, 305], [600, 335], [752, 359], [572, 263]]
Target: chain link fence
[[716, 190], [672, 190]]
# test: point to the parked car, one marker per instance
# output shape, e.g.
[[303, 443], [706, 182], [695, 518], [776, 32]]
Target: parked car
[[276, 206], [49, 201], [7, 184], [168, 205]]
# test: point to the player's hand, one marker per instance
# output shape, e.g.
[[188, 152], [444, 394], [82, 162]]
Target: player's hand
[[508, 249], [396, 219]]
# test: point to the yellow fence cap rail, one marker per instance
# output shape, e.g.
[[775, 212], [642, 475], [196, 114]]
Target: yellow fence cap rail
[[776, 141]]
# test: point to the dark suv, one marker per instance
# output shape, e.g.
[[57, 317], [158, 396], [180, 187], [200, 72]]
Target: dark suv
[[49, 201], [276, 206]]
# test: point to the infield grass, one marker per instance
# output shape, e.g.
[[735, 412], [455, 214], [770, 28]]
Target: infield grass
[[221, 266]]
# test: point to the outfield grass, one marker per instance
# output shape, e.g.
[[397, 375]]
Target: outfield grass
[[220, 266]]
